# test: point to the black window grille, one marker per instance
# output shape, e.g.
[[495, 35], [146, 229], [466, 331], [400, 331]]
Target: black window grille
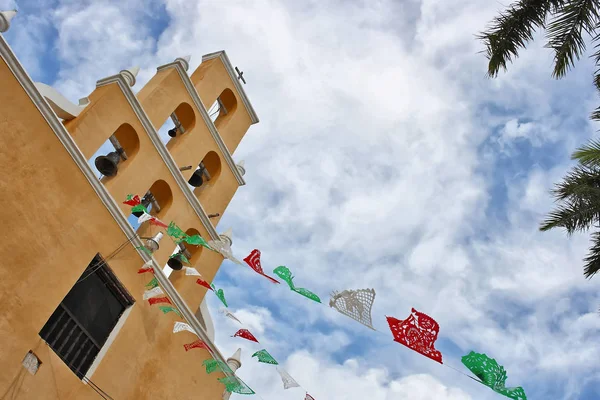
[[81, 323]]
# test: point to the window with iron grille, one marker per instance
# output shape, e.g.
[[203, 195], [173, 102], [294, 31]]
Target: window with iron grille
[[82, 322]]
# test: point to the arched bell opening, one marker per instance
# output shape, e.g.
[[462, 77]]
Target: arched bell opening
[[207, 174], [227, 106], [180, 123], [117, 152]]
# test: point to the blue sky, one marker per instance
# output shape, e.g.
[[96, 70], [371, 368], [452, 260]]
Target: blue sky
[[384, 158]]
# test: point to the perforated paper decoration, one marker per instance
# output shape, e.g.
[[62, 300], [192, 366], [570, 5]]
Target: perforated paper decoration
[[418, 332], [264, 357], [152, 284], [308, 294], [224, 248], [202, 282], [196, 240], [233, 384], [214, 365], [191, 271], [355, 304], [253, 260], [288, 381], [147, 267], [286, 275], [168, 309], [143, 218], [157, 291], [133, 200], [221, 295], [309, 397], [153, 220], [230, 315], [159, 300], [182, 326], [139, 208], [175, 232], [245, 333], [198, 344], [492, 375]]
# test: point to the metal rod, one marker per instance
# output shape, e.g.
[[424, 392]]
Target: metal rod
[[186, 168], [118, 147]]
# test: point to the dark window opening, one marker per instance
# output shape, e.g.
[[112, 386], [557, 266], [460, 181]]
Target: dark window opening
[[82, 322]]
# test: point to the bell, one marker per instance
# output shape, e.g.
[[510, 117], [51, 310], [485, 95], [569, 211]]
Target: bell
[[172, 132], [107, 165], [196, 179], [175, 263]]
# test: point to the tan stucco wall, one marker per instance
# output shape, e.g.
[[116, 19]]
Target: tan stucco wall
[[54, 223]]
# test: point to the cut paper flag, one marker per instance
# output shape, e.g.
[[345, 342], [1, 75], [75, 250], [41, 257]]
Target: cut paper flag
[[152, 284], [418, 332], [225, 249], [153, 220], [197, 240], [133, 200], [191, 271], [175, 232], [168, 309], [253, 260], [220, 294], [215, 365], [198, 344], [492, 375], [245, 333], [355, 304], [233, 384], [288, 381], [159, 300], [181, 257], [182, 326], [286, 275], [230, 315], [202, 282], [309, 397], [264, 357], [139, 208], [157, 291], [147, 267]]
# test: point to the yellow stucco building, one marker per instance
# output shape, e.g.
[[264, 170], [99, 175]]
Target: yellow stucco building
[[73, 323]]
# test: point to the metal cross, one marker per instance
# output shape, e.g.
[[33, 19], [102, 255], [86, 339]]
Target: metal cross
[[240, 75]]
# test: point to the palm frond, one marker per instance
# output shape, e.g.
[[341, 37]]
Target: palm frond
[[581, 182], [574, 216], [592, 260], [512, 29], [579, 198], [565, 32], [588, 154]]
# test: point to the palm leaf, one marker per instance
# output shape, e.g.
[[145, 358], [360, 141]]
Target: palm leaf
[[592, 260], [565, 32], [588, 154], [512, 29]]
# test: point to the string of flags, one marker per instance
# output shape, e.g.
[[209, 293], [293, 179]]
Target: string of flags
[[417, 332]]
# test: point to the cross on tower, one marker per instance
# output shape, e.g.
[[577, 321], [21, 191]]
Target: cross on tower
[[240, 75]]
